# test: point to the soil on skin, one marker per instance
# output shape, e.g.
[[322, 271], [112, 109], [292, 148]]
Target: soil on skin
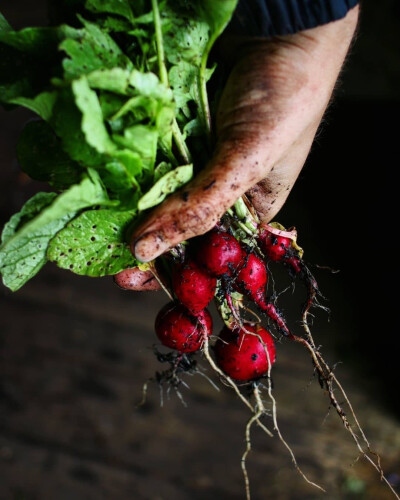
[[75, 351]]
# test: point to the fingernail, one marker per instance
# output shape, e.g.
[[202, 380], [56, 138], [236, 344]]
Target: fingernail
[[149, 246]]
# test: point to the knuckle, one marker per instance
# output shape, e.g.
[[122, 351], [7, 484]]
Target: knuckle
[[196, 219]]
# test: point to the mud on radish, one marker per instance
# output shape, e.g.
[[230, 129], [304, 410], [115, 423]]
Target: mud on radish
[[122, 122], [230, 266]]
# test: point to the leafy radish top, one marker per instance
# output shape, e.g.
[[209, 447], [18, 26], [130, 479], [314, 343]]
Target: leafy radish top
[[122, 101]]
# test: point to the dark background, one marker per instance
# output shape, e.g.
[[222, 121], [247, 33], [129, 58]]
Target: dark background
[[74, 349], [348, 192]]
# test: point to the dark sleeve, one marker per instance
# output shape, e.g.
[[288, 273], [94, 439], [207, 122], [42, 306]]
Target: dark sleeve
[[283, 17]]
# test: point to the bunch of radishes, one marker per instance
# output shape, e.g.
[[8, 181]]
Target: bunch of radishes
[[230, 264], [218, 265]]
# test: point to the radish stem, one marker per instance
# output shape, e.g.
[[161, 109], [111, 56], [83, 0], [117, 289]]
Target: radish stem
[[176, 132]]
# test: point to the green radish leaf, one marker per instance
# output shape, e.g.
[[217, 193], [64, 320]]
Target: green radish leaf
[[4, 25], [114, 80], [141, 140], [35, 41], [92, 117], [164, 121], [25, 259], [40, 155], [92, 49], [94, 244], [161, 169], [194, 128], [28, 60], [185, 33], [182, 78], [141, 14], [67, 123], [42, 104], [189, 31], [166, 185], [31, 208], [88, 192], [119, 176], [110, 104], [132, 162], [120, 7], [115, 24], [149, 85], [23, 254], [106, 109], [216, 14]]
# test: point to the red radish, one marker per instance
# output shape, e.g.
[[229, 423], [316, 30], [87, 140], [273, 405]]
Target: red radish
[[193, 286], [274, 313], [242, 355], [218, 252], [280, 245], [295, 263], [178, 329], [251, 280], [275, 247]]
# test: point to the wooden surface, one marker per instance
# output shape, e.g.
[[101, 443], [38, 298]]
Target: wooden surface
[[75, 353]]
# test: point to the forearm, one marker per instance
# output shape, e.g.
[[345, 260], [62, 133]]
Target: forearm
[[276, 105], [268, 115], [279, 88]]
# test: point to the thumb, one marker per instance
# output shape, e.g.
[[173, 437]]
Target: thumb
[[197, 207]]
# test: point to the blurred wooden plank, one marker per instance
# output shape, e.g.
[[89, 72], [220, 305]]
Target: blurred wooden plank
[[74, 358]]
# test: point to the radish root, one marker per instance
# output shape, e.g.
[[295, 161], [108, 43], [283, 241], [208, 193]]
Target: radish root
[[230, 304], [329, 380], [254, 418], [274, 413]]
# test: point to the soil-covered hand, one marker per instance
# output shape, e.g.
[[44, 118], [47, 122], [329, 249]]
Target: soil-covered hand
[[268, 115]]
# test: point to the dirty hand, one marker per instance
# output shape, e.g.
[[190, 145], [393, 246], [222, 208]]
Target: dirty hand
[[268, 115]]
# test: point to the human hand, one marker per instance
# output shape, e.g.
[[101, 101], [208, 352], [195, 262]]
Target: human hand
[[268, 115]]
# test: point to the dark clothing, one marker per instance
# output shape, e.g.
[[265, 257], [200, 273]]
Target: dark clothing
[[282, 17]]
